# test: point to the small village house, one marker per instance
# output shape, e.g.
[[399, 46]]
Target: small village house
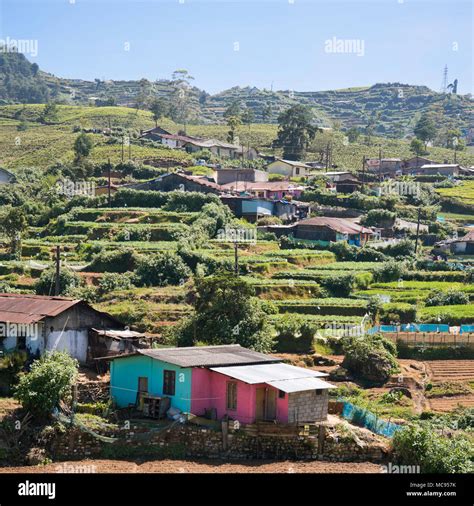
[[37, 323], [221, 381], [243, 175], [387, 167], [342, 181], [276, 190], [192, 144], [253, 208], [435, 169], [461, 246], [289, 168], [324, 230], [415, 163]]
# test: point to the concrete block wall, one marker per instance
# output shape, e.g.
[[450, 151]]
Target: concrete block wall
[[307, 406]]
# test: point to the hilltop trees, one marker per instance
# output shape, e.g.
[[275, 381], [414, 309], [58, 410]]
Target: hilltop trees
[[295, 132]]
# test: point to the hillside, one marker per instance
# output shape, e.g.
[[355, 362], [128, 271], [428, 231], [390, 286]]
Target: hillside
[[400, 105], [26, 141]]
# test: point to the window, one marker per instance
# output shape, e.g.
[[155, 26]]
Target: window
[[169, 381], [281, 394], [297, 171], [231, 395], [319, 392]]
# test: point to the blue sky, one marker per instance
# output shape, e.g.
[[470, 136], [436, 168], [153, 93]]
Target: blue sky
[[279, 41]]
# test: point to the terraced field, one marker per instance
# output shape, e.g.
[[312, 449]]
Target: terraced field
[[459, 373]]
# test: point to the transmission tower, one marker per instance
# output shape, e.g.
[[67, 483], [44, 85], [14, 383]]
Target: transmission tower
[[444, 84]]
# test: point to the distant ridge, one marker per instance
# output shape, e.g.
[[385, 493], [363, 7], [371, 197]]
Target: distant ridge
[[396, 105]]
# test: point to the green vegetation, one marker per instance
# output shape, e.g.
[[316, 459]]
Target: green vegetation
[[48, 382]]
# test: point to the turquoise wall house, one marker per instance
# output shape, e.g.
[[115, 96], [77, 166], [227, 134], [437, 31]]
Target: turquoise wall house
[[124, 380]]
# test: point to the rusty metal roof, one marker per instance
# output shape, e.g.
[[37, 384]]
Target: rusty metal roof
[[16, 308]]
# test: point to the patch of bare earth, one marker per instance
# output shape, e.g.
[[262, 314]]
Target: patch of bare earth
[[452, 371], [197, 466]]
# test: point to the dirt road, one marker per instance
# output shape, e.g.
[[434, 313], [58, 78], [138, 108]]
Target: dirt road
[[196, 466]]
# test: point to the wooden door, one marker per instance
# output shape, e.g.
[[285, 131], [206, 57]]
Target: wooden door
[[270, 404], [265, 404], [260, 408], [142, 384]]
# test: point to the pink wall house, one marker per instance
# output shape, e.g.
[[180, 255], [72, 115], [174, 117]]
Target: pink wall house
[[209, 390]]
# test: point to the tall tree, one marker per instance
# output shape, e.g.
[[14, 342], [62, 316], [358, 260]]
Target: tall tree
[[295, 131], [232, 122], [82, 146], [417, 147], [159, 108], [227, 312], [180, 108], [13, 224], [425, 129]]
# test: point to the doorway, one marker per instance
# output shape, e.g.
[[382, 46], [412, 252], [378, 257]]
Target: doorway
[[266, 404]]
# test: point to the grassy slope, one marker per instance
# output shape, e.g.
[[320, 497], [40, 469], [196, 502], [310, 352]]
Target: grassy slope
[[41, 145]]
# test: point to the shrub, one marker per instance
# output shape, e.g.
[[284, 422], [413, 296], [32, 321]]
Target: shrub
[[379, 218], [68, 280], [422, 445], [371, 358], [389, 271], [294, 334], [400, 249], [47, 384], [446, 298], [112, 281], [398, 311], [119, 260], [166, 268]]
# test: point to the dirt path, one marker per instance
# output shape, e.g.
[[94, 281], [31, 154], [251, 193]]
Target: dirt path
[[196, 466]]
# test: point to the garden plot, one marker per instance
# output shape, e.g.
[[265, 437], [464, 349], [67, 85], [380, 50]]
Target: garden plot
[[452, 384]]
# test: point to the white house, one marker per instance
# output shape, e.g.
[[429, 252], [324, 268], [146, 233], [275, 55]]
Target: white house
[[37, 323], [289, 168]]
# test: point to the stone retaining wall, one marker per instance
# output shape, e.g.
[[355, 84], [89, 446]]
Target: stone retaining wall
[[191, 441]]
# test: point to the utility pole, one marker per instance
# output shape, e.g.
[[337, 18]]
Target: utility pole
[[417, 229], [108, 183], [380, 164], [129, 148], [123, 141], [236, 258], [327, 156], [363, 172], [57, 288]]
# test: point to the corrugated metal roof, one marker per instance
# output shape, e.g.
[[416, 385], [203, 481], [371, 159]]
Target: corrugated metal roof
[[337, 224], [204, 356], [264, 373], [300, 384], [15, 308], [119, 334]]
